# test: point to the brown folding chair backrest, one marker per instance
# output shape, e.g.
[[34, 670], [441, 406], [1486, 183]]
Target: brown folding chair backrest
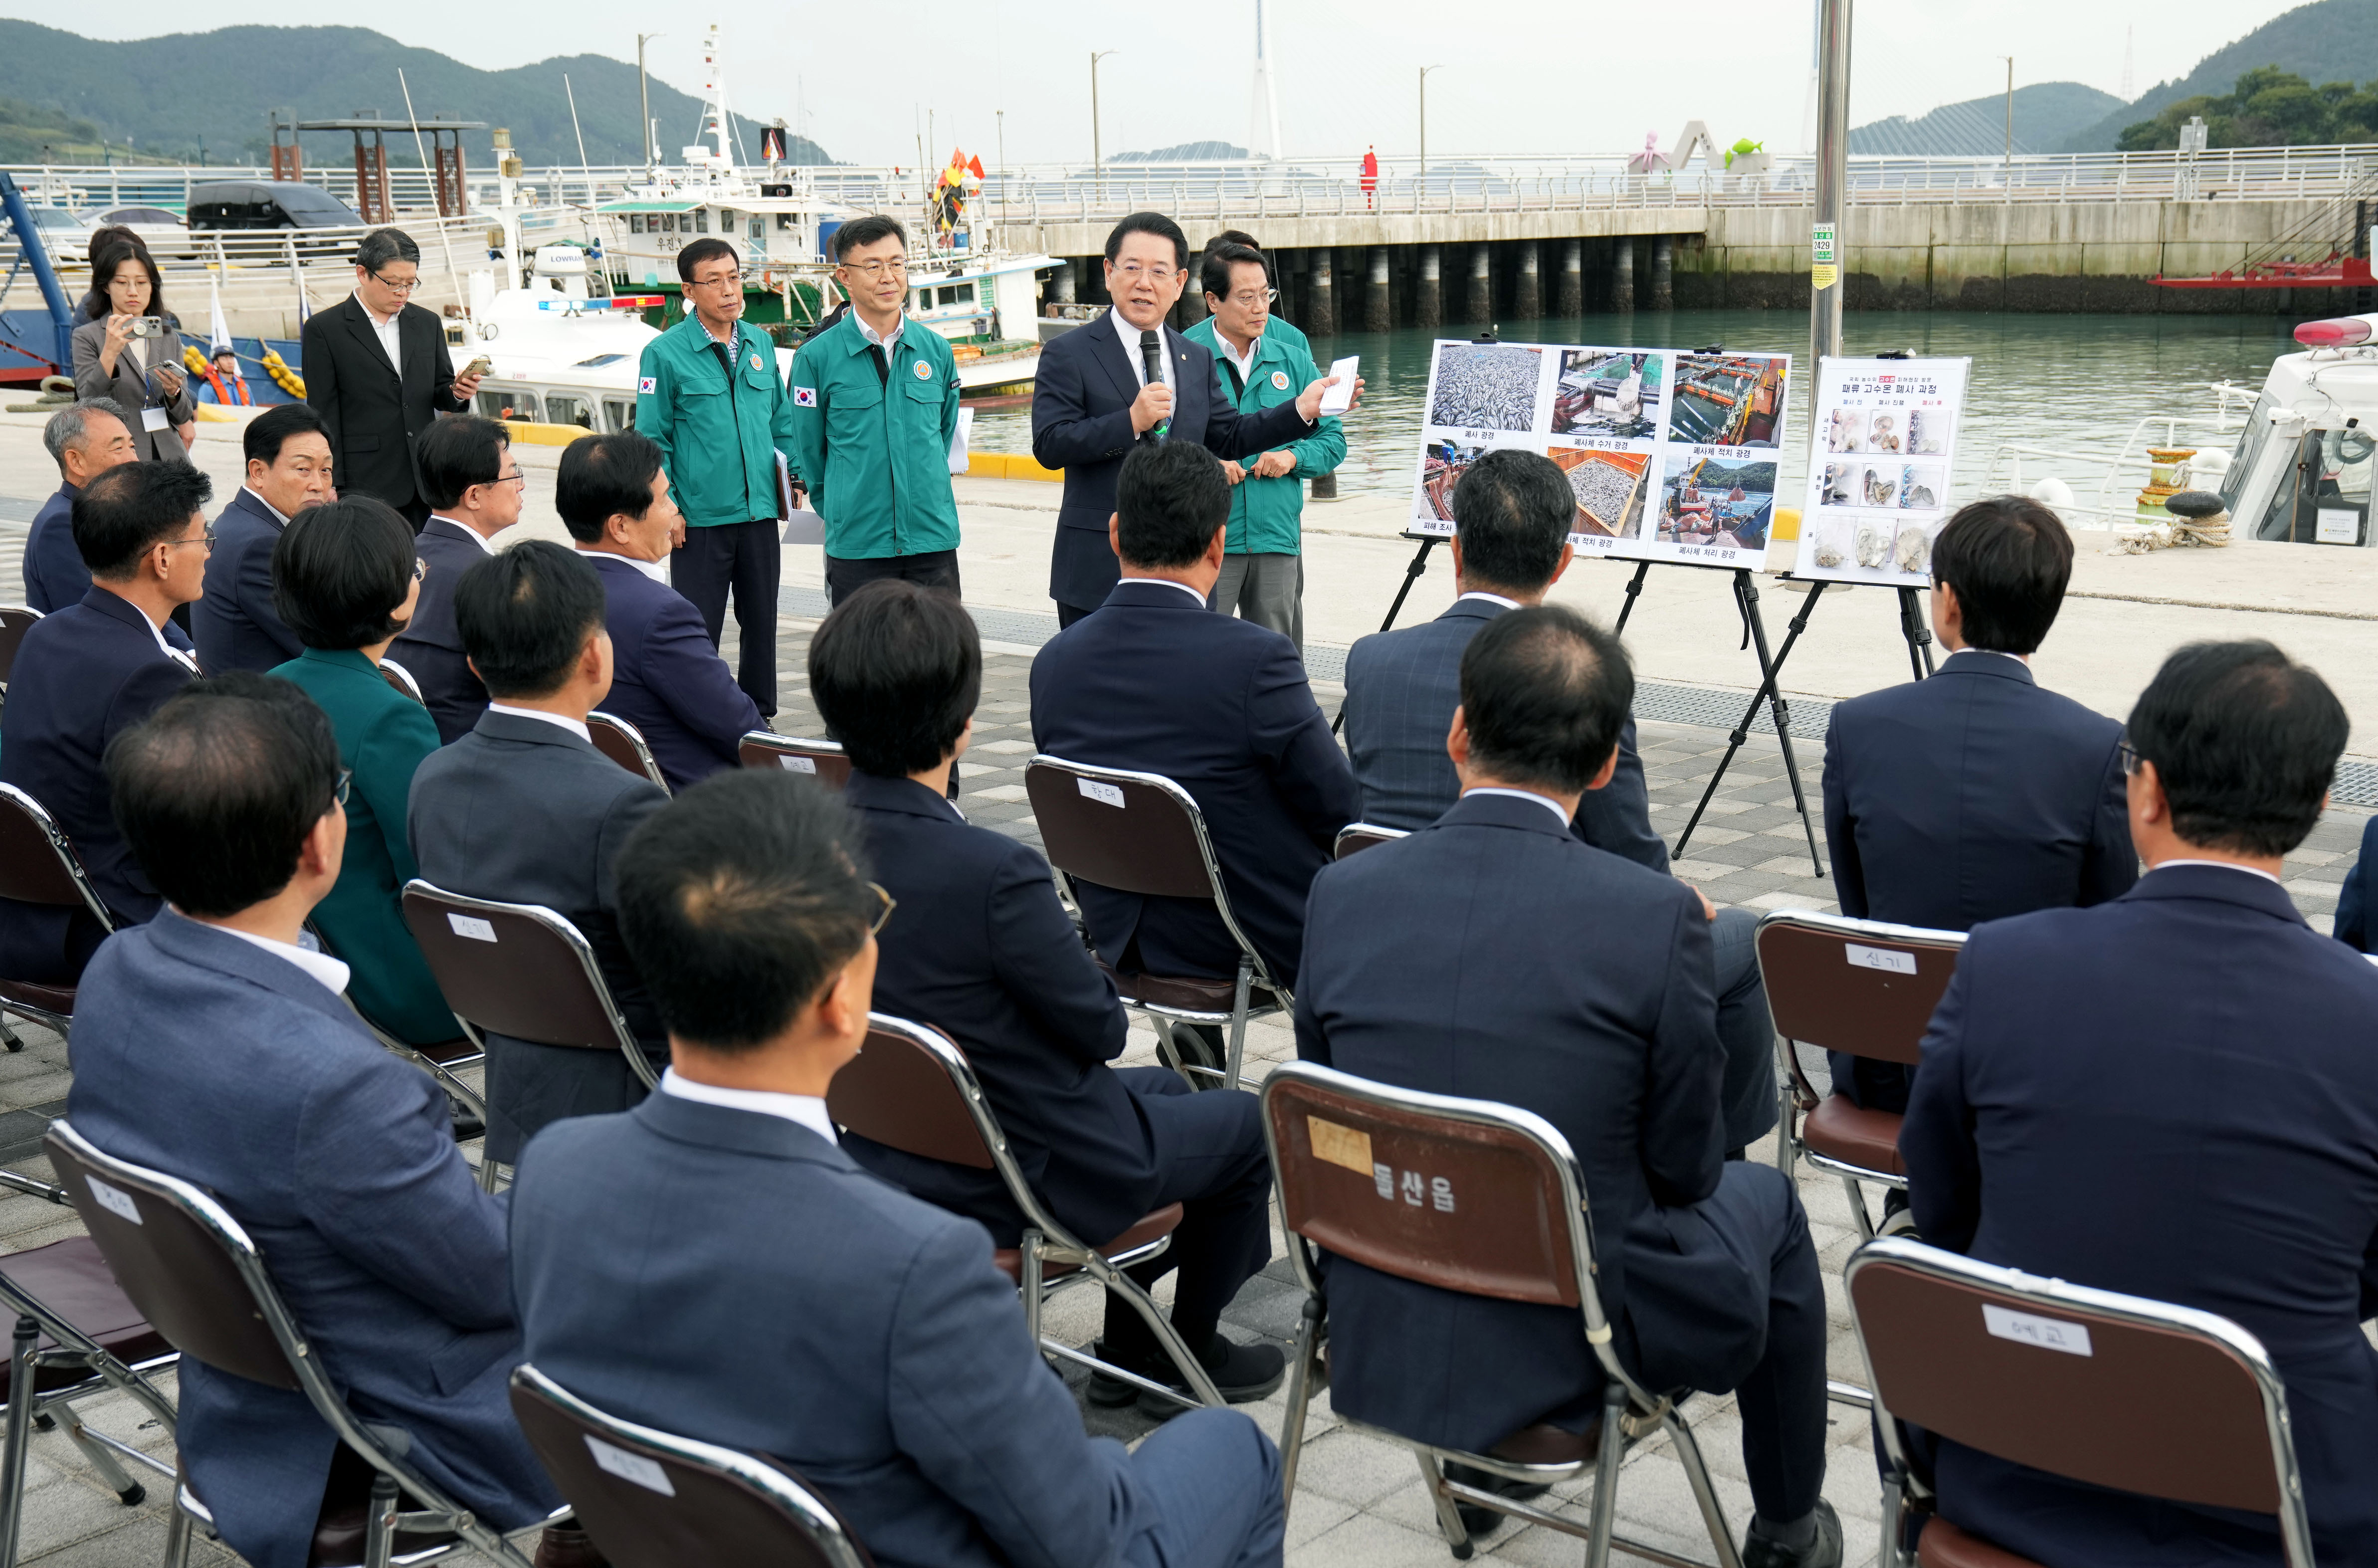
[[899, 1092], [516, 969], [624, 743], [1355, 837], [821, 760], [173, 1251], [2110, 1389], [1859, 987], [1135, 832], [15, 621], [401, 679], [650, 1499], [33, 869], [1453, 1193]]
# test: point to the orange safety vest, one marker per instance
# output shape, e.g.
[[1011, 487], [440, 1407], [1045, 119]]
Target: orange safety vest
[[223, 394]]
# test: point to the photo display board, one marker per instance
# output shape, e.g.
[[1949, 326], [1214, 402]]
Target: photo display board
[[1879, 468], [1671, 456]]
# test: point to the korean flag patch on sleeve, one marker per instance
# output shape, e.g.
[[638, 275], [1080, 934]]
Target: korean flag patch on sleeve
[[805, 397], [647, 384]]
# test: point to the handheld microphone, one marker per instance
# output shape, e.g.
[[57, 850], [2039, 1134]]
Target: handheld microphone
[[1151, 355]]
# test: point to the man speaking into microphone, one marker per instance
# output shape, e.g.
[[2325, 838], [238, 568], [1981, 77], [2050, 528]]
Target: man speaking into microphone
[[1128, 377]]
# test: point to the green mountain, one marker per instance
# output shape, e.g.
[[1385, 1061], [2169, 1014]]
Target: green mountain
[[30, 134], [2046, 114], [2329, 41], [172, 96], [2269, 107]]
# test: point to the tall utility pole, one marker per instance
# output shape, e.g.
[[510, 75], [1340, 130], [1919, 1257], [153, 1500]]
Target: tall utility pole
[[1424, 124], [645, 92], [2008, 173], [1000, 115], [1826, 252], [1097, 155]]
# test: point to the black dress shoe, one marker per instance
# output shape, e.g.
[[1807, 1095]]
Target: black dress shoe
[[467, 1125], [565, 1546], [1823, 1550], [1476, 1517], [1241, 1372]]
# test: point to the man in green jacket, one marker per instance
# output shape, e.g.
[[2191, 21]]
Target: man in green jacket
[[1262, 363], [708, 393], [875, 406]]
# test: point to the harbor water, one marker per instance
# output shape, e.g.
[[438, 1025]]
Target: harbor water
[[2072, 382]]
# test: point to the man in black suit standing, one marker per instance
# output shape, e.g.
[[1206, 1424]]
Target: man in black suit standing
[[1220, 705], [378, 372], [1494, 956], [1978, 794], [474, 485], [978, 945], [1128, 379], [525, 810]]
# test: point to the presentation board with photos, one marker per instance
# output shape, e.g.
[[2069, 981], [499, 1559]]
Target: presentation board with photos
[[1879, 468], [1671, 456]]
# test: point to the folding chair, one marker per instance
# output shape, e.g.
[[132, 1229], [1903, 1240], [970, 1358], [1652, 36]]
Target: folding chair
[[38, 865], [910, 1089], [522, 970], [15, 621], [624, 743], [400, 678], [76, 1334], [647, 1498], [193, 1272], [1863, 986], [1482, 1199], [821, 760], [1355, 837], [1142, 833], [2115, 1391]]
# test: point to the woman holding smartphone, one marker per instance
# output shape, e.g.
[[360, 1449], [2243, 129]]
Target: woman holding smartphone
[[116, 355]]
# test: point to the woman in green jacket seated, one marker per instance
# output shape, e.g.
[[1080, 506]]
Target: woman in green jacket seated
[[344, 580]]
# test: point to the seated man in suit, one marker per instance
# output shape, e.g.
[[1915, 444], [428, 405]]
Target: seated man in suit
[[524, 810], [88, 439], [214, 1044], [1512, 515], [85, 676], [2172, 1095], [1158, 683], [1583, 986], [2356, 903], [1978, 794], [288, 470], [892, 1369], [474, 486], [981, 948], [667, 678]]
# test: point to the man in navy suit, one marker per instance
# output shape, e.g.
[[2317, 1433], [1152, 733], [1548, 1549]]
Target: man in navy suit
[[1218, 705], [1513, 511], [2356, 903], [85, 439], [86, 675], [2173, 1094], [778, 1299], [1128, 379], [214, 1044], [1978, 794], [979, 947], [474, 485], [236, 628], [666, 676], [1493, 956], [524, 810]]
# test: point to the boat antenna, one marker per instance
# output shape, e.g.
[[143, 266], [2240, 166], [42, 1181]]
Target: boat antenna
[[445, 241], [585, 173]]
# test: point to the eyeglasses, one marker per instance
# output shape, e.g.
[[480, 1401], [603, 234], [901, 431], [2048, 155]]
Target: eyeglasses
[[1133, 272], [396, 288], [2129, 755], [878, 268], [339, 791], [890, 903], [207, 539], [1248, 302], [723, 281], [520, 479]]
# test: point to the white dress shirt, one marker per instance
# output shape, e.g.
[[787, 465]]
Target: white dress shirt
[[2222, 865], [481, 540], [1169, 582], [1546, 801], [809, 1110], [887, 341], [268, 506], [320, 966], [1130, 336], [1245, 362], [653, 570], [575, 727], [1490, 598], [390, 338]]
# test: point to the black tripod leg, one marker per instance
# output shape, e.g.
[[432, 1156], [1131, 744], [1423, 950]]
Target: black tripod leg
[[1913, 627], [1749, 715], [1642, 569], [1769, 670], [1411, 575]]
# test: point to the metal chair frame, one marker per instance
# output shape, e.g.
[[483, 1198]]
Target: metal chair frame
[[400, 678], [1046, 1241], [1355, 837], [72, 1348], [63, 847], [1629, 1411], [1907, 1492], [785, 750], [635, 738], [442, 1514], [1251, 969], [559, 926], [803, 1511]]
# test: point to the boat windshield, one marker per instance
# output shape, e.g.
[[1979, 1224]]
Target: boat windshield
[[2249, 446]]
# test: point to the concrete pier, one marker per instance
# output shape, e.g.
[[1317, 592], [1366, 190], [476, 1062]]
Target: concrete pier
[[1321, 298], [1378, 316], [1664, 254], [1572, 279], [1528, 299], [1622, 274], [1481, 285], [1428, 300]]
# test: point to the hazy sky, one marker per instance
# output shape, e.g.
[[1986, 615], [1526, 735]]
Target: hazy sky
[[1549, 76]]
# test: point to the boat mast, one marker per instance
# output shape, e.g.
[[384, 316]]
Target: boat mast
[[713, 98]]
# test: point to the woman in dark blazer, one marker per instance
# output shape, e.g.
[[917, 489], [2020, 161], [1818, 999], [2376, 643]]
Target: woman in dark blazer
[[143, 374], [344, 581]]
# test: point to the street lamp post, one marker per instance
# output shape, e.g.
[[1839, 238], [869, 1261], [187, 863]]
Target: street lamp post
[[1098, 154], [644, 93], [1827, 256], [1424, 124], [2007, 174], [1000, 115]]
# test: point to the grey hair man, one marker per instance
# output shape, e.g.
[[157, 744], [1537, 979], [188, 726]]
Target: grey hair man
[[85, 439]]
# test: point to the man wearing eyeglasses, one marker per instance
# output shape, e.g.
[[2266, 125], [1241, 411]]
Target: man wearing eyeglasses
[[1263, 570], [475, 486], [709, 395], [1128, 379], [377, 372], [875, 406]]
